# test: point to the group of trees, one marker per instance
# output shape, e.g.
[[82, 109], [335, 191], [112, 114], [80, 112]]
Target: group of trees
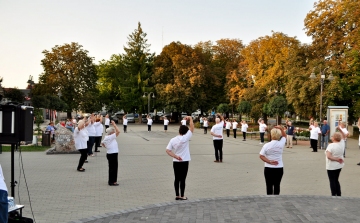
[[268, 76]]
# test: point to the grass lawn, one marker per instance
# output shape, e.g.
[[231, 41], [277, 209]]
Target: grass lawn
[[27, 148]]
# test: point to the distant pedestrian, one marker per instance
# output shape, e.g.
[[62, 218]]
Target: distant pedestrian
[[69, 125], [112, 148], [314, 135], [125, 122], [107, 121], [149, 122], [244, 127], [334, 163], [234, 127], [201, 122], [217, 133], [345, 133], [227, 127], [325, 132], [183, 122], [289, 134], [51, 130], [179, 149], [4, 205], [206, 125], [99, 129], [92, 133], [81, 137], [262, 130], [166, 123], [271, 154]]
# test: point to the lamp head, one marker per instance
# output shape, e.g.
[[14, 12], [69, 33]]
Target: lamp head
[[331, 76], [312, 75]]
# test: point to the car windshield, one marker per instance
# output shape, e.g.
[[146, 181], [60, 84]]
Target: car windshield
[[130, 116]]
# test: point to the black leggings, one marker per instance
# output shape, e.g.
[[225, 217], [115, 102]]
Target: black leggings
[[180, 172], [97, 142], [334, 182], [113, 167], [90, 144], [244, 135], [313, 143], [262, 134], [125, 128], [83, 157], [273, 178], [218, 144], [228, 132], [149, 128], [205, 130], [234, 130]]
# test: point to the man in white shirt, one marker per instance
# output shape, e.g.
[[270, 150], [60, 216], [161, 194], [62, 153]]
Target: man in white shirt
[[262, 130], [3, 198], [234, 126], [244, 127], [166, 123], [217, 133], [125, 122], [149, 122]]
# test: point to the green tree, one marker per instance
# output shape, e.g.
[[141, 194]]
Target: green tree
[[244, 108], [14, 95], [277, 106], [223, 108], [70, 71]]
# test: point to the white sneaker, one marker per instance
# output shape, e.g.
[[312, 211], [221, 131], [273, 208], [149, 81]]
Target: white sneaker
[[261, 143]]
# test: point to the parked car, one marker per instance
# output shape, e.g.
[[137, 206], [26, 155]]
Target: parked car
[[114, 118], [130, 117], [144, 118], [103, 113], [183, 114]]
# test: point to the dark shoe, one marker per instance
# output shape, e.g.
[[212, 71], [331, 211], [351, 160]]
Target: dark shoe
[[97, 151], [81, 170], [244, 140], [220, 161], [358, 164], [216, 161], [183, 198], [99, 146], [177, 198], [114, 184], [86, 161]]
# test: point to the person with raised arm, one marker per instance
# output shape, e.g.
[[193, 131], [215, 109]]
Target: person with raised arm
[[217, 133], [81, 137], [179, 149]]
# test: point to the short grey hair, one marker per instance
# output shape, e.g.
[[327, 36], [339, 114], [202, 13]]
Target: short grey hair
[[337, 136], [110, 130], [275, 134]]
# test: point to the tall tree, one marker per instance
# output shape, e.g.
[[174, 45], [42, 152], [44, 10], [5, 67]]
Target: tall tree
[[14, 95], [69, 71]]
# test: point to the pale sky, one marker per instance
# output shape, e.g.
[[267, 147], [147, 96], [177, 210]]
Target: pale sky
[[102, 27]]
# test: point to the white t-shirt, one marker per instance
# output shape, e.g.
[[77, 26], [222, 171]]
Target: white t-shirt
[[91, 129], [125, 121], [99, 128], [183, 122], [179, 145], [273, 151], [244, 127], [228, 125], [218, 130], [337, 150], [2, 181], [234, 125], [206, 124], [166, 122], [110, 143], [150, 121], [314, 132], [81, 137], [262, 127], [107, 121], [345, 131]]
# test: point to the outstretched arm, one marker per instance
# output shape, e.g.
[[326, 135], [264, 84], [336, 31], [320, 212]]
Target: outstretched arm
[[117, 131], [191, 123]]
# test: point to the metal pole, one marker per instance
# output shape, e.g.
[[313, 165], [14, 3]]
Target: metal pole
[[321, 95], [12, 183], [149, 103]]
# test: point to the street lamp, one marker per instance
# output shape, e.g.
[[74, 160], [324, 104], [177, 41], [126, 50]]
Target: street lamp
[[148, 94], [322, 78]]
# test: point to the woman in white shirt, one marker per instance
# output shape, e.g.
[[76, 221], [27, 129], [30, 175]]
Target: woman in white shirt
[[244, 127], [334, 163], [227, 127], [217, 133], [262, 130], [271, 154], [112, 148], [149, 122], [178, 148], [81, 137], [206, 125], [99, 128], [107, 121], [91, 132], [234, 126], [314, 136], [166, 123], [345, 133], [125, 122]]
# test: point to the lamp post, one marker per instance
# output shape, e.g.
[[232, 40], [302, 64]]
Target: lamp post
[[148, 94], [322, 78]]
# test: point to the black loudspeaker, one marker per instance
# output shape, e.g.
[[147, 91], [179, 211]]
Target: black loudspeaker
[[16, 123]]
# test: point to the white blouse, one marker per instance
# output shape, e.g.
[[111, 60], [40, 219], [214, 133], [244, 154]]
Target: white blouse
[[80, 137]]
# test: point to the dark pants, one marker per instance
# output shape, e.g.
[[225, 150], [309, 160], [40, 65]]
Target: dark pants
[[149, 127], [313, 143], [165, 127], [97, 142], [125, 128], [218, 144], [228, 132], [244, 135], [273, 178], [106, 126], [334, 182], [205, 130], [90, 144], [180, 172], [82, 159], [234, 131], [262, 134], [4, 206], [113, 167]]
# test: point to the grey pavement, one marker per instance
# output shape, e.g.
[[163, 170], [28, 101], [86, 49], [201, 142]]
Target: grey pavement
[[59, 193]]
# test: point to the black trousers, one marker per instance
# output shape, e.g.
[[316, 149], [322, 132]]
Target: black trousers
[[90, 144], [234, 131], [228, 132], [244, 135], [262, 134], [218, 144], [180, 172], [149, 127], [97, 142], [113, 167], [205, 130], [273, 178], [313, 143], [106, 126], [83, 157], [165, 127], [125, 128], [334, 182]]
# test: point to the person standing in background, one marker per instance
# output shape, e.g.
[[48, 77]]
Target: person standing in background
[[217, 133], [91, 132], [166, 123], [125, 122], [314, 136], [289, 134], [325, 131], [262, 130], [244, 127], [345, 133], [234, 127], [227, 127], [99, 128], [149, 122], [107, 121], [81, 137], [4, 205], [206, 125], [201, 122]]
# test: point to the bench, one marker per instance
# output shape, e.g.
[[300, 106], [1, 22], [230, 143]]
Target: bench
[[252, 133]]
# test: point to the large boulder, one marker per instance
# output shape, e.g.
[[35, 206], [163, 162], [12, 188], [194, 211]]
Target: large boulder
[[64, 141]]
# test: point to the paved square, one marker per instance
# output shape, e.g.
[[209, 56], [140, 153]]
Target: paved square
[[59, 193]]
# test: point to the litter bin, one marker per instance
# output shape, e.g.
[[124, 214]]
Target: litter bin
[[45, 138]]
